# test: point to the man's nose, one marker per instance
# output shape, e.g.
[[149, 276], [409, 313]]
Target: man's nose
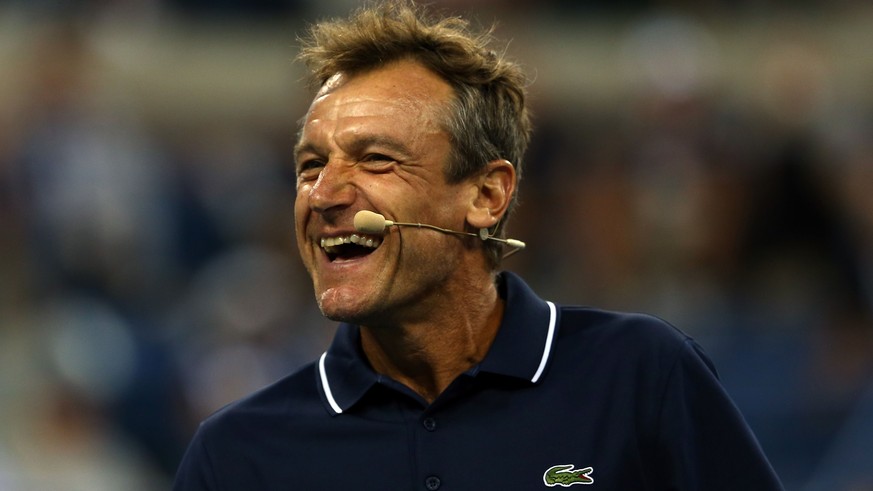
[[333, 189]]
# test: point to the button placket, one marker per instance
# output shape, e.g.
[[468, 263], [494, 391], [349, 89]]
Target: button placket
[[432, 480]]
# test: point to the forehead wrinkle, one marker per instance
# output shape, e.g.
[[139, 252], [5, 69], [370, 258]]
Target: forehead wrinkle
[[359, 122], [355, 140]]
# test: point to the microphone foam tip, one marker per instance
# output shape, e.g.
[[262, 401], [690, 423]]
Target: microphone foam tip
[[369, 222]]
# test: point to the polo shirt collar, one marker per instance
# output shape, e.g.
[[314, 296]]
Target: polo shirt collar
[[522, 348], [523, 345]]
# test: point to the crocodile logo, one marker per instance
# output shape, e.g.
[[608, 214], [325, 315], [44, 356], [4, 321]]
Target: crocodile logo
[[565, 476]]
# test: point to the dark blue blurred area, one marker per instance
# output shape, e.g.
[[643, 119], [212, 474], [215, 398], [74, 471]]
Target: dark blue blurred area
[[708, 162]]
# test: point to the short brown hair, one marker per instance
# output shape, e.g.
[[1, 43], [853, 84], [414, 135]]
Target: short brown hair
[[487, 120]]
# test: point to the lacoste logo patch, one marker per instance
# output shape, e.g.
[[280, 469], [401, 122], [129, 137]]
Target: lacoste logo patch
[[565, 476]]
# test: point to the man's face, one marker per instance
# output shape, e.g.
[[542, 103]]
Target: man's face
[[374, 142]]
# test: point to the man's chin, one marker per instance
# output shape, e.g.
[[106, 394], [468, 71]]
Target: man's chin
[[341, 305]]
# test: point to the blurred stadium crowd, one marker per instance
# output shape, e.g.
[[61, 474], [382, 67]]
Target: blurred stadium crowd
[[708, 162]]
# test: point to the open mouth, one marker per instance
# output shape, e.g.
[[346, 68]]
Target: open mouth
[[349, 246]]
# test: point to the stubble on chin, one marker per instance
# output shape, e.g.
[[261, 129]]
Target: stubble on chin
[[341, 306]]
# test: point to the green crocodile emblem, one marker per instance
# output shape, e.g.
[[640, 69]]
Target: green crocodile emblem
[[566, 476]]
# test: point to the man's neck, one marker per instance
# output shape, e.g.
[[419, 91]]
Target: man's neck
[[427, 356]]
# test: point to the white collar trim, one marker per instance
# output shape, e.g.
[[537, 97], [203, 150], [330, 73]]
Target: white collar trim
[[548, 348], [326, 386]]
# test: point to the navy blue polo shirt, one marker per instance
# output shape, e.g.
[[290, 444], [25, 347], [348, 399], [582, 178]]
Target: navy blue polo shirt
[[566, 396]]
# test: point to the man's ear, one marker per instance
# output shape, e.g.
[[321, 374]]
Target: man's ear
[[495, 187]]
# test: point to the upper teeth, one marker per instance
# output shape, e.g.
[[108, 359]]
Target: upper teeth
[[360, 240]]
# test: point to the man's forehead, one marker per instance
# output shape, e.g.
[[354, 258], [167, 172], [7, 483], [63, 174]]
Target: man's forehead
[[402, 79], [404, 99], [406, 89]]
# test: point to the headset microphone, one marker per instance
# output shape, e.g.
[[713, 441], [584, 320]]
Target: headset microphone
[[369, 222]]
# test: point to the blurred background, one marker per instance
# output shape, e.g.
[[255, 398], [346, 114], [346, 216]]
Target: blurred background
[[710, 162]]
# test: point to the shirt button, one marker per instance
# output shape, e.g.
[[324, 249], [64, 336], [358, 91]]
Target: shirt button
[[432, 483], [429, 424]]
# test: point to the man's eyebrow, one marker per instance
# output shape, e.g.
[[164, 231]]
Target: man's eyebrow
[[359, 144], [299, 149], [298, 136], [363, 142], [304, 147]]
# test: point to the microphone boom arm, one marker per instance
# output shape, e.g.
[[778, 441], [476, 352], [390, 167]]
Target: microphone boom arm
[[371, 222]]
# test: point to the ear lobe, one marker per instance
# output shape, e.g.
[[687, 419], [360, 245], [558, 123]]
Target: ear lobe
[[495, 188]]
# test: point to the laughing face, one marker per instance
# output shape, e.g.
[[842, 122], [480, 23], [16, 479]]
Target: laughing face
[[374, 141]]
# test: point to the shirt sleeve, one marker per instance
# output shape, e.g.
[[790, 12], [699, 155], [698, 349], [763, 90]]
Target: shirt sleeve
[[195, 472], [704, 443]]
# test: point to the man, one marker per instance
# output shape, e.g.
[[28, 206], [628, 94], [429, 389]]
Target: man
[[445, 374]]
